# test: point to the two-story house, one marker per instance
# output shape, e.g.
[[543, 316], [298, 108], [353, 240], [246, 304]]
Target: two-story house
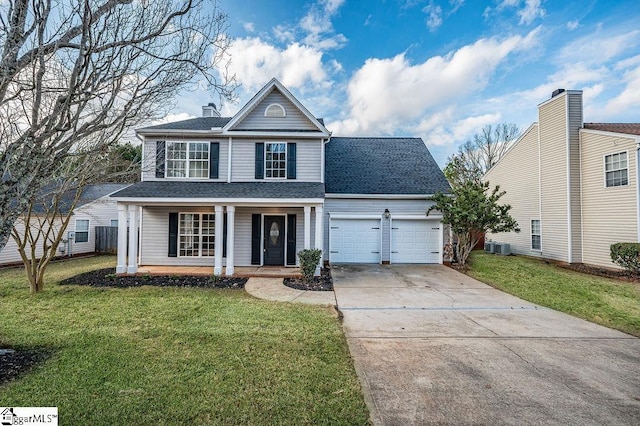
[[255, 188], [573, 186]]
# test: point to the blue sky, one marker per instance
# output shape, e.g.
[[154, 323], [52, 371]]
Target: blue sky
[[439, 70]]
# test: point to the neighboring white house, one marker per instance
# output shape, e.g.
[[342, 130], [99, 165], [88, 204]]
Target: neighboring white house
[[255, 188], [572, 185], [94, 208]]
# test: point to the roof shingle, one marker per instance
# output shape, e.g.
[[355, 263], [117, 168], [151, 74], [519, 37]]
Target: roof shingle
[[626, 128]]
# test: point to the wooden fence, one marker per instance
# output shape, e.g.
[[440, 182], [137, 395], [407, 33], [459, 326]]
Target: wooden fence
[[106, 239]]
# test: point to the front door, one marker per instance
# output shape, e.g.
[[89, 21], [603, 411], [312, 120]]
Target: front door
[[274, 240]]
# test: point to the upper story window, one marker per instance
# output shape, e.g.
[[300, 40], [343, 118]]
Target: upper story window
[[187, 159], [615, 169], [275, 110], [275, 160], [536, 235]]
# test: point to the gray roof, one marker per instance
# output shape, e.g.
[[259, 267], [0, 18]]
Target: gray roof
[[381, 166], [89, 194], [183, 189], [204, 123]]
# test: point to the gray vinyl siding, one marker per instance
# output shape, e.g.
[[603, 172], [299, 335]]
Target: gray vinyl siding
[[609, 214], [575, 123], [517, 173], [308, 159], [155, 240], [372, 207], [553, 179], [99, 213], [294, 119], [149, 155]]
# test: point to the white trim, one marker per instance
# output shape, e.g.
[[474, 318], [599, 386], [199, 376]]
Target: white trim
[[381, 196], [229, 155], [75, 230], [565, 93], [418, 216], [231, 215], [187, 160], [275, 104], [322, 156], [568, 158], [189, 134], [612, 134], [539, 184], [531, 235], [286, 160], [199, 235], [238, 202], [333, 215], [638, 189]]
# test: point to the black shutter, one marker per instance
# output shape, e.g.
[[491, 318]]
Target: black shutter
[[291, 160], [255, 239], [259, 160], [224, 237], [214, 160], [173, 234], [160, 154], [291, 239]]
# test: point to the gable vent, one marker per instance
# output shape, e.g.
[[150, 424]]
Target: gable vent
[[275, 111]]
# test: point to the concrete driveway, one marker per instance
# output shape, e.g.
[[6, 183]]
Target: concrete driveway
[[432, 345]]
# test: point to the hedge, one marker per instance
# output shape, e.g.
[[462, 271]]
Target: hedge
[[626, 255]]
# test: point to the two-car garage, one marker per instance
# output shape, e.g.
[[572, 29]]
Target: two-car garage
[[375, 239]]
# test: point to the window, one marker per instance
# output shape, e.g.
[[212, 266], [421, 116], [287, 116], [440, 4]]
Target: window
[[615, 169], [114, 222], [196, 234], [82, 230], [536, 241], [188, 159], [275, 160], [275, 111]]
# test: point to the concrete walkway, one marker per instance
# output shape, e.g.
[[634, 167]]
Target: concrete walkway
[[431, 345], [273, 289]]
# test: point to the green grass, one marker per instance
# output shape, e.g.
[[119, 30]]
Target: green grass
[[171, 355], [605, 301]]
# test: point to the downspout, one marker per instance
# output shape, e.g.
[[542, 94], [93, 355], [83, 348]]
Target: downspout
[[569, 227], [638, 188]]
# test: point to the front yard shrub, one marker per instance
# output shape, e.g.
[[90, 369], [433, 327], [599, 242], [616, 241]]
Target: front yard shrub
[[309, 259], [627, 255]]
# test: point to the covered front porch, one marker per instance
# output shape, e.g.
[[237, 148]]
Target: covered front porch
[[232, 239]]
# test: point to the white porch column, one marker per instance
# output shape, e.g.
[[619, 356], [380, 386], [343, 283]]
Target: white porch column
[[319, 235], [132, 266], [121, 266], [231, 212], [217, 268], [307, 227]]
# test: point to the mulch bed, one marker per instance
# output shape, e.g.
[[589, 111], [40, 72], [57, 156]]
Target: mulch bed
[[322, 283], [108, 278], [603, 272], [15, 362]]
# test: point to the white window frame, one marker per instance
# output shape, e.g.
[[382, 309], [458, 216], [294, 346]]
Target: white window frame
[[76, 231], [187, 160], [111, 222], [199, 235], [275, 106], [626, 169], [539, 234], [286, 157]]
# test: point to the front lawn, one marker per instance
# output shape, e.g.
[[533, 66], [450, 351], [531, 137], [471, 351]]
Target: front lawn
[[175, 355], [605, 301]]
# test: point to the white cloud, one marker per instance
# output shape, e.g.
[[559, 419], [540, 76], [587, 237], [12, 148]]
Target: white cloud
[[386, 95], [434, 16], [532, 10], [249, 27], [255, 62], [318, 26], [598, 47], [455, 5], [629, 99], [572, 25], [460, 130]]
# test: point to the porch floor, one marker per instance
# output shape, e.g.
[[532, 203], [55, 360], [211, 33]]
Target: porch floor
[[240, 271]]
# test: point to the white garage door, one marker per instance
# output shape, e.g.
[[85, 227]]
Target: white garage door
[[415, 241], [354, 241]]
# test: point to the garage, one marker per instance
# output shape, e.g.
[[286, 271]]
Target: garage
[[415, 241], [354, 240]]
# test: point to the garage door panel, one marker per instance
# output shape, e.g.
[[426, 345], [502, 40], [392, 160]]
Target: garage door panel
[[415, 241], [355, 241]]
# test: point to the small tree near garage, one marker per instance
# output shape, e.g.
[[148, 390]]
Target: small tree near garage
[[471, 209]]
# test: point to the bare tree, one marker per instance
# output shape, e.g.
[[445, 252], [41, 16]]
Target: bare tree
[[41, 229], [73, 68]]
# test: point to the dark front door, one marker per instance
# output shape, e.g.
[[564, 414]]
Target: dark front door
[[274, 239]]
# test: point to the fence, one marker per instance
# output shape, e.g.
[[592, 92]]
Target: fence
[[106, 239]]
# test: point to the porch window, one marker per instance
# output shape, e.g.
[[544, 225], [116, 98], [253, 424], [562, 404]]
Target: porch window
[[196, 234], [536, 237], [82, 231], [275, 160], [616, 172], [187, 159]]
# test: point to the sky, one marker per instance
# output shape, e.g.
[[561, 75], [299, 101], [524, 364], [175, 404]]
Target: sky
[[436, 69]]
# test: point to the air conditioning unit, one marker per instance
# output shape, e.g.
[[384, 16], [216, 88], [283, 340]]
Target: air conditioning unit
[[503, 249], [489, 246]]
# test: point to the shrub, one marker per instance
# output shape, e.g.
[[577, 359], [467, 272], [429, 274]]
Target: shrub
[[309, 259], [627, 255]]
